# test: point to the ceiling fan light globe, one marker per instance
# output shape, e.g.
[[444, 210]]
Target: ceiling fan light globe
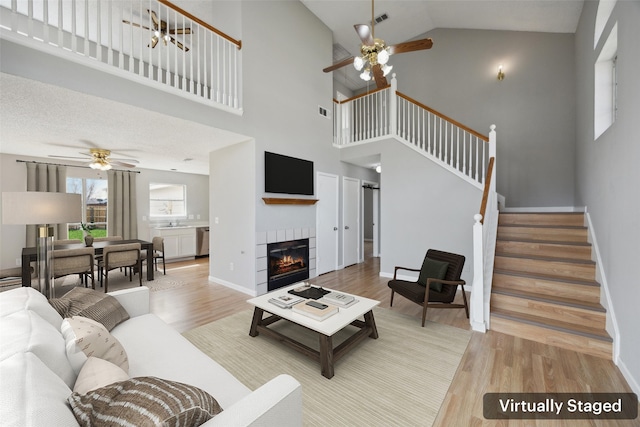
[[386, 69], [358, 63], [366, 76], [383, 57]]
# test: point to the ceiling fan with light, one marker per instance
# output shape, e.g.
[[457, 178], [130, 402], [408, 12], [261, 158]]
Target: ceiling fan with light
[[375, 54], [161, 31], [101, 159]]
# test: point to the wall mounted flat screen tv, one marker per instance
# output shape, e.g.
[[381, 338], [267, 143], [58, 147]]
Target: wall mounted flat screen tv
[[287, 175]]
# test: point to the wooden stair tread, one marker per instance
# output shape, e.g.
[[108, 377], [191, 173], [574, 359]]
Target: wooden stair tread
[[545, 258], [594, 333], [547, 277], [526, 225], [550, 299]]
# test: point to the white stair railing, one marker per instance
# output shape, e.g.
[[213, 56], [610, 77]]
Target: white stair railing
[[115, 37], [389, 113], [485, 230]]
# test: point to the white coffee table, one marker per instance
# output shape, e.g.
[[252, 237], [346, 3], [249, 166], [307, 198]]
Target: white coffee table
[[327, 355]]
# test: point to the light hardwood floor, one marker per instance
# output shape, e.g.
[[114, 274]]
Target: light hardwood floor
[[493, 362]]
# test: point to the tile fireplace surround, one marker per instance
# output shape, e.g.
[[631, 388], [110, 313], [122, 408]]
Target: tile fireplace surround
[[277, 236]]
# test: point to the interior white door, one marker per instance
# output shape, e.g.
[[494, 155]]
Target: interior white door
[[350, 220], [326, 223]]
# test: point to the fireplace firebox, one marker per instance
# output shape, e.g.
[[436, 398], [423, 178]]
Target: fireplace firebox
[[288, 263]]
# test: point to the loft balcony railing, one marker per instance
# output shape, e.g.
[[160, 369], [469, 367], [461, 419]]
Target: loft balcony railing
[[385, 113], [116, 37]]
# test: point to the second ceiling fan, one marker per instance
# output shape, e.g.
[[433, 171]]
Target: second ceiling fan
[[375, 54], [161, 31]]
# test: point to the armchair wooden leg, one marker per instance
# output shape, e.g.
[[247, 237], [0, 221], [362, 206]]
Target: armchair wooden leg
[[391, 302], [424, 314]]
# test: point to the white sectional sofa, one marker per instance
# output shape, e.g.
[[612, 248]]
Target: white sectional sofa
[[36, 378]]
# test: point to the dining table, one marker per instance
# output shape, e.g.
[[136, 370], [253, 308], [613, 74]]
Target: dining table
[[30, 255]]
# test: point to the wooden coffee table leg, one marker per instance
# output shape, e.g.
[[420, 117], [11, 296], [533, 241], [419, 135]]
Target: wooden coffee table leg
[[371, 322], [257, 318], [326, 356]]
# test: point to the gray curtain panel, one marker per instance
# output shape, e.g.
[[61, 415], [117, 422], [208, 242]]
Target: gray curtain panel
[[49, 178], [122, 216]]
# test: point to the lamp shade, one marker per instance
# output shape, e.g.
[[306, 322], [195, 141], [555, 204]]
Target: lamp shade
[[36, 207]]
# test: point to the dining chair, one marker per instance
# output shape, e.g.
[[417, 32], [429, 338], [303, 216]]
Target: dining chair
[[126, 256], [74, 261], [158, 253], [59, 242]]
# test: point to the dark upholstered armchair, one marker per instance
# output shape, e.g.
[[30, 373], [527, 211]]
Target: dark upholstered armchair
[[437, 283]]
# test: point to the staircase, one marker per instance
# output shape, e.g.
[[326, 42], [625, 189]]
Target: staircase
[[544, 286]]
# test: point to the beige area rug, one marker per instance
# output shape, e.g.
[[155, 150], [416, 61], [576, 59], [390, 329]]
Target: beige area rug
[[117, 281], [400, 379]]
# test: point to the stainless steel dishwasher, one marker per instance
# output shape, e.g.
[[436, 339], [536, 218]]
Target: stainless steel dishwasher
[[202, 235]]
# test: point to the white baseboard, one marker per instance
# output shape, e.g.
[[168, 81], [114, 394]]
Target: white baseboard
[[605, 296], [233, 286], [629, 377], [399, 276]]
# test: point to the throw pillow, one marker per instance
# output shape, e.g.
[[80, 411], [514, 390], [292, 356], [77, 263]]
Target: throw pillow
[[96, 373], [93, 304], [145, 401], [434, 269], [85, 338]]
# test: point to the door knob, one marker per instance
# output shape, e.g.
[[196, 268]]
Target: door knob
[[346, 227], [335, 228]]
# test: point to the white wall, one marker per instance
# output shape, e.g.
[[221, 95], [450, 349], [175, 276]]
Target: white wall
[[232, 207], [423, 207], [607, 172]]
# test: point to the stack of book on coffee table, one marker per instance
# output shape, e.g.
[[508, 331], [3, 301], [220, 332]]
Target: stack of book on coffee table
[[315, 309], [286, 300], [336, 298]]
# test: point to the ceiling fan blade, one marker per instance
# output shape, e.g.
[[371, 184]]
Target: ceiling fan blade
[[364, 32], [339, 64], [134, 24], [411, 46], [154, 18], [123, 160], [67, 157], [180, 31], [123, 164], [180, 45], [378, 75]]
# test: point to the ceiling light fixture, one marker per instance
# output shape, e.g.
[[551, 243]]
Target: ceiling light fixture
[[500, 73], [373, 55], [100, 159]]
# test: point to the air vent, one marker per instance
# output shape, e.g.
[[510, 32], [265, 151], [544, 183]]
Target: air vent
[[381, 18]]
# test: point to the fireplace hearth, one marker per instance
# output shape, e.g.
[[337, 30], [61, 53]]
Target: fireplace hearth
[[288, 263]]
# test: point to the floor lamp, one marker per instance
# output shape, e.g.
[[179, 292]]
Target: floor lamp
[[43, 209]]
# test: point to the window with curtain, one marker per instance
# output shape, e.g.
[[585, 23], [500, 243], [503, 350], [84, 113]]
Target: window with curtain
[[95, 198]]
